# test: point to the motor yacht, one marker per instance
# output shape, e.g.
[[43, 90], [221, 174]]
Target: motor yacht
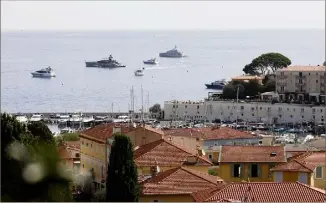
[[139, 72], [22, 119], [44, 73], [173, 53], [152, 61], [36, 117], [218, 85]]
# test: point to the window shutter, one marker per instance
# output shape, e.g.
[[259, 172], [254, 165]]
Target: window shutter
[[232, 170], [259, 170], [249, 170]]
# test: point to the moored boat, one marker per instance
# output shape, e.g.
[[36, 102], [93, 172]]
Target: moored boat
[[44, 73], [152, 61], [173, 53]]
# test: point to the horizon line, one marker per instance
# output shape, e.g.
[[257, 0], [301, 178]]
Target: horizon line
[[163, 29]]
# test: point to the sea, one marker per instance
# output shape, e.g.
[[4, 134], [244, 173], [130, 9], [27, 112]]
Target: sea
[[212, 55]]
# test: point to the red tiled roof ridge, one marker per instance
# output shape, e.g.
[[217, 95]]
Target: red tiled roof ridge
[[276, 168], [312, 188], [201, 175], [158, 142], [151, 146], [161, 176], [187, 151], [147, 127]]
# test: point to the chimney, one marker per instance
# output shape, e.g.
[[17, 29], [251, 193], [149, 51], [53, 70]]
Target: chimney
[[154, 170], [116, 129]]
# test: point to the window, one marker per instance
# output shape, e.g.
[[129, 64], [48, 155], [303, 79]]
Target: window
[[242, 107], [242, 114], [77, 155], [253, 114], [86, 144], [319, 172], [83, 165], [316, 81], [300, 74], [185, 106], [91, 145], [236, 170], [254, 171], [82, 142], [210, 156]]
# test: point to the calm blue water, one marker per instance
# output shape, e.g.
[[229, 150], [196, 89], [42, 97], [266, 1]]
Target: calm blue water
[[212, 55]]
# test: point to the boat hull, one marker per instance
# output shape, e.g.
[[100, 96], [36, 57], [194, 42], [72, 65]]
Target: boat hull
[[111, 66], [171, 56], [150, 63], [43, 75], [215, 87], [91, 63]]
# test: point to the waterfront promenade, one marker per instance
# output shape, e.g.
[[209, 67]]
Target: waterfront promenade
[[86, 114]]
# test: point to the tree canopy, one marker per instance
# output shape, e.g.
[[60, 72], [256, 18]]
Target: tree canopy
[[29, 168], [156, 108], [122, 178], [267, 64], [251, 89]]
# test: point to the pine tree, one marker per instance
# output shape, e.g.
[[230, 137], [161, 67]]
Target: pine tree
[[122, 178]]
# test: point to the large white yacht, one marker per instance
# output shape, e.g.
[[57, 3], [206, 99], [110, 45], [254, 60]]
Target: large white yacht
[[173, 53], [44, 73], [151, 61], [36, 117], [22, 119]]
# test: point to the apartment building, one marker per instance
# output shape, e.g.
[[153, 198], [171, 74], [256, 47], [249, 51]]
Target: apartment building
[[188, 110], [248, 111], [301, 83]]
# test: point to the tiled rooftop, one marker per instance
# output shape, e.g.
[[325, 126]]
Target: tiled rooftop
[[165, 153], [68, 149], [248, 77], [302, 68], [149, 128], [220, 133], [242, 154], [202, 195], [269, 192], [305, 162], [104, 131], [180, 180]]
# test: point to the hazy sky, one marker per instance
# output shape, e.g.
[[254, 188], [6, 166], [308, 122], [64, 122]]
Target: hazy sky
[[120, 15]]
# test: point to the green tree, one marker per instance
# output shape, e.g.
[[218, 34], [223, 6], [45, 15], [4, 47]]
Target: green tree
[[29, 167], [267, 63], [251, 89], [156, 108], [122, 178], [41, 131]]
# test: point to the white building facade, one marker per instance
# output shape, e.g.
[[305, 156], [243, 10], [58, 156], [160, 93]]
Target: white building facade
[[252, 112]]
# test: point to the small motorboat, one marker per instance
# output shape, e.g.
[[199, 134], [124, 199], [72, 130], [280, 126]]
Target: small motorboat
[[152, 61], [44, 73], [139, 72]]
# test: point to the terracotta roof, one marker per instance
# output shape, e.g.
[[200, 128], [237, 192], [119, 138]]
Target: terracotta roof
[[202, 195], [104, 131], [142, 178], [221, 133], [302, 68], [294, 165], [63, 152], [305, 162], [318, 143], [269, 192], [72, 144], [248, 77], [165, 153], [180, 180], [241, 154]]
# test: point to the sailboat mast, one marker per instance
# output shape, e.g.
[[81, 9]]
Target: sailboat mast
[[142, 104]]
